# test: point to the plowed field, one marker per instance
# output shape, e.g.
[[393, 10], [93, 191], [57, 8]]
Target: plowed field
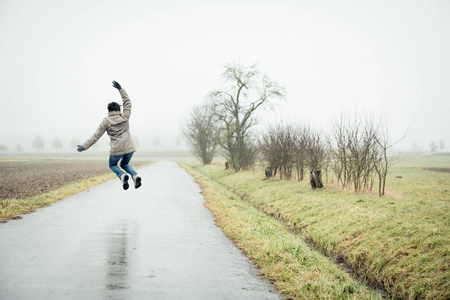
[[27, 178], [442, 170]]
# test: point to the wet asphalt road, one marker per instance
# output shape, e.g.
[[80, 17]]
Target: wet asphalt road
[[157, 242]]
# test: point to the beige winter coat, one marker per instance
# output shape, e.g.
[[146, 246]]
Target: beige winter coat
[[118, 128]]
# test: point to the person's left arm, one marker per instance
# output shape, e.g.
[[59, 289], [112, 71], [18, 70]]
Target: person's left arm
[[97, 135]]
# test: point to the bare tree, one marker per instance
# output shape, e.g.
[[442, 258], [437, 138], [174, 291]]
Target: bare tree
[[57, 144], [278, 147], [338, 146], [441, 145], [433, 146], [19, 148], [236, 104], [316, 147], [384, 161], [38, 143], [360, 153], [354, 150], [291, 149], [3, 148], [201, 132], [301, 153], [268, 150]]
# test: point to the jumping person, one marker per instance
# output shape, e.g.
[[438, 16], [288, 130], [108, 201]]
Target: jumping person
[[122, 147]]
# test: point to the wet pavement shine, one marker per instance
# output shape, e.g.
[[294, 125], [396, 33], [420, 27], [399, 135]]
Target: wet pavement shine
[[156, 242]]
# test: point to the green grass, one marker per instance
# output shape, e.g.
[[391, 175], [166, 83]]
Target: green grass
[[425, 160], [400, 242], [281, 256]]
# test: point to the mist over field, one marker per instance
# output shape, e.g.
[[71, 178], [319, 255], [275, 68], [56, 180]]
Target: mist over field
[[374, 58]]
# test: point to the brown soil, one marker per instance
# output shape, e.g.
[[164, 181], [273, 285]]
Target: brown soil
[[23, 179], [442, 170]]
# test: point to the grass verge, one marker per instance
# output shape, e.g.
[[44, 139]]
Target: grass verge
[[398, 243], [297, 271]]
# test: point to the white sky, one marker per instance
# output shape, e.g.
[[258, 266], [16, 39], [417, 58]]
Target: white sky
[[58, 58]]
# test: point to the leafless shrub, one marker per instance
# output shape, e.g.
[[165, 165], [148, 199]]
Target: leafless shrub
[[278, 149], [290, 149], [384, 161], [354, 152], [300, 154], [359, 153], [316, 147]]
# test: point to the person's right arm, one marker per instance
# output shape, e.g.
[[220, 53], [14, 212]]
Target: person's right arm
[[97, 135]]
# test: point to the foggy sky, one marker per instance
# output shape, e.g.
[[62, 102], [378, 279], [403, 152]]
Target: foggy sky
[[58, 58]]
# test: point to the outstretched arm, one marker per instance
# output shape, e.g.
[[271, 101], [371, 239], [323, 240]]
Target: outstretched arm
[[97, 135], [126, 100]]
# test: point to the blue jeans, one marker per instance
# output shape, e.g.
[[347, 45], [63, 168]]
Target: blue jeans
[[124, 164]]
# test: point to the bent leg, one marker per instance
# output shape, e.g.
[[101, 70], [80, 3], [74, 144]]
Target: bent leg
[[113, 160], [124, 164]]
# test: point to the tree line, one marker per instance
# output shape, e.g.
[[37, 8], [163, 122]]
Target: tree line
[[355, 152], [38, 143]]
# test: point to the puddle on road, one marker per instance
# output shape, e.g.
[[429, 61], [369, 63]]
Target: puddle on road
[[117, 270]]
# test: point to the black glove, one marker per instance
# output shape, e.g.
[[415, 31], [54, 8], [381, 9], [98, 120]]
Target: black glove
[[80, 148], [116, 85]]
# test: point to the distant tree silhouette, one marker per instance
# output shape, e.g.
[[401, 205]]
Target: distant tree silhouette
[[156, 142], [433, 146], [3, 148], [38, 143], [57, 144], [441, 145], [19, 148], [74, 143]]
